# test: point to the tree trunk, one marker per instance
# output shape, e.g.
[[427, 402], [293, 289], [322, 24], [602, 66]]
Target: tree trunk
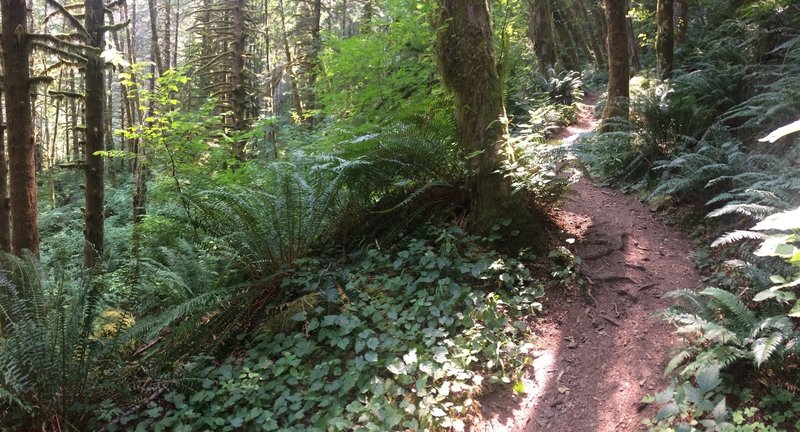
[[681, 18], [617, 105], [176, 32], [168, 35], [95, 98], [541, 34], [109, 125], [633, 47], [5, 210], [344, 18], [151, 5], [238, 94], [591, 33], [298, 103], [467, 63], [73, 115], [316, 48], [566, 46], [21, 149], [665, 39]]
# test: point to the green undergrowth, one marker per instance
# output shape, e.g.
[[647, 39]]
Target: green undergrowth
[[715, 147], [399, 338]]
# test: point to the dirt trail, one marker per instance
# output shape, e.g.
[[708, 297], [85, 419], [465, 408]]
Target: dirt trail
[[599, 353]]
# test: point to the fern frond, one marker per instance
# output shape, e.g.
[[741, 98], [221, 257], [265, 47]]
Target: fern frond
[[733, 308], [678, 359], [781, 323], [763, 348], [736, 236], [755, 211]]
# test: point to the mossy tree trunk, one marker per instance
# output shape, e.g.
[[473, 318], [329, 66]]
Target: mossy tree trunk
[[238, 91], [617, 105], [467, 62], [21, 150], [152, 7], [94, 215], [296, 98], [665, 39], [541, 33], [5, 210], [681, 18]]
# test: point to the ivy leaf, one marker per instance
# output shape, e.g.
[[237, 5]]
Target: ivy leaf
[[795, 312], [708, 378], [667, 411], [397, 367], [411, 357], [373, 343], [438, 412], [721, 410]]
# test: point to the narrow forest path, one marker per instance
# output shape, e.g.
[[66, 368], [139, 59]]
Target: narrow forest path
[[599, 353]]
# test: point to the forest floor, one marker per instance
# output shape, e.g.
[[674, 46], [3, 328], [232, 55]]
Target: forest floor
[[600, 348]]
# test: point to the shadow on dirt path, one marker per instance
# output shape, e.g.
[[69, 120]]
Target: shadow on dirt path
[[601, 350]]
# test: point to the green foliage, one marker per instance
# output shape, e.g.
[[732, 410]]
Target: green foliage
[[191, 146], [620, 155], [562, 88], [701, 407], [535, 168], [50, 347], [267, 230], [692, 406], [406, 339], [401, 178], [549, 103], [385, 76]]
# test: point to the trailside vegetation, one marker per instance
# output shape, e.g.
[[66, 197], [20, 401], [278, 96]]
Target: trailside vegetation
[[333, 215]]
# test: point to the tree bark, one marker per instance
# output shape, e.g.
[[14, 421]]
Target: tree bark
[[465, 52], [151, 6], [21, 149], [567, 48], [617, 105], [95, 98], [541, 33], [592, 34], [73, 114], [168, 35], [298, 102], [633, 47], [5, 210], [316, 48], [681, 18], [238, 93], [176, 32], [665, 39]]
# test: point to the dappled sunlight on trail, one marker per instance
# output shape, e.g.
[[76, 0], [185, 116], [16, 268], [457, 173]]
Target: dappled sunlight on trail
[[600, 347]]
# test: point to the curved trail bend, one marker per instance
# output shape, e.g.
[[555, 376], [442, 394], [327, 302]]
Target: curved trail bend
[[595, 362]]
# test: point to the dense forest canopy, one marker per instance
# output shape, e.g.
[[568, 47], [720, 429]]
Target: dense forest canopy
[[334, 214]]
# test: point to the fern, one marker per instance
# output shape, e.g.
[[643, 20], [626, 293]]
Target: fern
[[732, 308], [737, 236], [48, 347], [755, 211], [725, 330], [267, 230], [763, 348]]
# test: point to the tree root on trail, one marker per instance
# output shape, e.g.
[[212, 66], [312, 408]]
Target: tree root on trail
[[601, 254]]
